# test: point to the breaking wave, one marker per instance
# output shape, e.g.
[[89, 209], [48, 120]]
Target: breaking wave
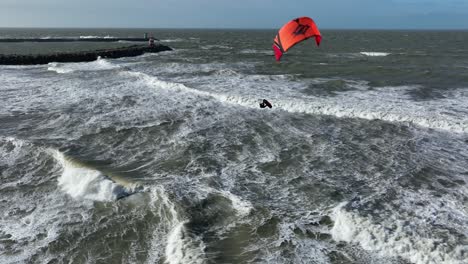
[[83, 182]]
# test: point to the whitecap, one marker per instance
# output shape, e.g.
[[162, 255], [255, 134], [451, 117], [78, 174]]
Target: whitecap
[[173, 40], [96, 37], [208, 47], [374, 54], [254, 51], [97, 65]]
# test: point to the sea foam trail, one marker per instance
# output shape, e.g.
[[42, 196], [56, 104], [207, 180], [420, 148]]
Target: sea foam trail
[[390, 104], [82, 182], [180, 246]]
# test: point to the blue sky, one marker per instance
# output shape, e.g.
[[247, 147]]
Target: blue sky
[[342, 14]]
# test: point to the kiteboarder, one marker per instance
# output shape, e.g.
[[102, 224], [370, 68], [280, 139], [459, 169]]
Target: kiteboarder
[[265, 103]]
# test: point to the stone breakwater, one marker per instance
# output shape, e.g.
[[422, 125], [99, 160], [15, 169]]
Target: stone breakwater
[[83, 56], [91, 39]]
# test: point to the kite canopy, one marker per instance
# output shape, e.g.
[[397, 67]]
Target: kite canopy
[[293, 32]]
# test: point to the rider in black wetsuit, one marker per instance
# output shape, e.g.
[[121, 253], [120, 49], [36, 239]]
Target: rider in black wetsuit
[[265, 103]]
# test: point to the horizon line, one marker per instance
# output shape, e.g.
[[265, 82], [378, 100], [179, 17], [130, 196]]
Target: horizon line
[[235, 28]]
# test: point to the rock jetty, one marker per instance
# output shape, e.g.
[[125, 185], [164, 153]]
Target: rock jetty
[[82, 56], [90, 39]]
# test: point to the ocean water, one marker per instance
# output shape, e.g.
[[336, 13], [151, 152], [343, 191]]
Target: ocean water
[[167, 158]]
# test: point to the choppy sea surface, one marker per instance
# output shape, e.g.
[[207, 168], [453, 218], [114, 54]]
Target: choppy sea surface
[[167, 157]]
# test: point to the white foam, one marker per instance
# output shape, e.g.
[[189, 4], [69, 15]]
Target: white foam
[[42, 221], [398, 235], [9, 157], [227, 72], [97, 65], [179, 68], [254, 51], [181, 247], [95, 37], [175, 245], [175, 87], [389, 104], [305, 250], [81, 182], [241, 206], [30, 221], [173, 40], [250, 101], [54, 66], [374, 54], [392, 104], [59, 37], [12, 152], [80, 37], [208, 47]]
